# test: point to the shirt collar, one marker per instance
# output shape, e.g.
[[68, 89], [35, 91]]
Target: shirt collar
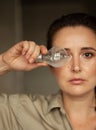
[[55, 102]]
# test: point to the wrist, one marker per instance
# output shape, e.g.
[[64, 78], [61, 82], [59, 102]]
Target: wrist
[[3, 66]]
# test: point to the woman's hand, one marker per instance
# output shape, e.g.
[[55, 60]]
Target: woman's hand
[[22, 56]]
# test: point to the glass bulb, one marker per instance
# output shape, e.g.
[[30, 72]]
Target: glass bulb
[[55, 57]]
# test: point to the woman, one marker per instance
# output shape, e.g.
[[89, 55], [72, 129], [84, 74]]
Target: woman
[[74, 107]]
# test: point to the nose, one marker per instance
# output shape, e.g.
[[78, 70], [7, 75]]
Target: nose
[[75, 64]]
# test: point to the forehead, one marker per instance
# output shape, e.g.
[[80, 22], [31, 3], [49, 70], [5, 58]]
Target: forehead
[[74, 37]]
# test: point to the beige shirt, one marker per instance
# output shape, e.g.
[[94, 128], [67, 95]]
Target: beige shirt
[[27, 112]]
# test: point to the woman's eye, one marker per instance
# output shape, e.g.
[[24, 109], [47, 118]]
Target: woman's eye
[[88, 55]]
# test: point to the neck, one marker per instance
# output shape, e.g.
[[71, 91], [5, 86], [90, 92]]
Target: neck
[[79, 105]]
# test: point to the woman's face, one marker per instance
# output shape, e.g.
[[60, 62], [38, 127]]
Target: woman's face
[[78, 75]]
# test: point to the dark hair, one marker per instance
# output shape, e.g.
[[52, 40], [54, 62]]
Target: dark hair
[[75, 19]]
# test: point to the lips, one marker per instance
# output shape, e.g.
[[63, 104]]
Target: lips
[[76, 81]]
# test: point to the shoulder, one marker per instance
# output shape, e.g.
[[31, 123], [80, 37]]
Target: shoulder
[[29, 101]]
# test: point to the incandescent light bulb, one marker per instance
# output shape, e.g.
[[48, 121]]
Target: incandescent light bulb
[[55, 57]]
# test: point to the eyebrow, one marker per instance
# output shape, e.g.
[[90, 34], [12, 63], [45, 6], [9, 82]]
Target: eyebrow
[[83, 48], [88, 48]]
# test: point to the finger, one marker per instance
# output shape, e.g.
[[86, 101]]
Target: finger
[[35, 65], [35, 54], [25, 45], [31, 49], [43, 49]]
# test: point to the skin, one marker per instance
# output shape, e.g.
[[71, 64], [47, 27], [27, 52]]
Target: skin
[[21, 57], [78, 95], [74, 39]]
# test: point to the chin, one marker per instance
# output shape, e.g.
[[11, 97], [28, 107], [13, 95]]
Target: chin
[[76, 90], [79, 93]]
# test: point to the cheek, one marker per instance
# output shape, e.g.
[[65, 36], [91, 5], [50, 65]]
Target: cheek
[[91, 74], [88, 65], [61, 75], [91, 71]]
